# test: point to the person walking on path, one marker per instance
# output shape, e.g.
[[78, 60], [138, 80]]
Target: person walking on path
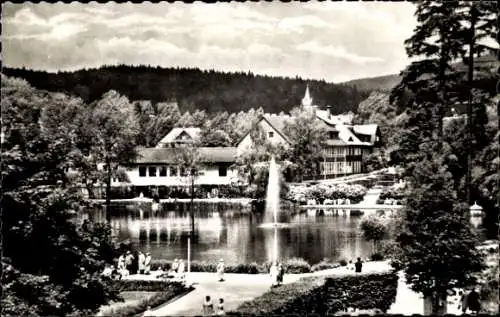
[[473, 302], [129, 258], [358, 265], [141, 262], [147, 263], [220, 307], [181, 270], [220, 270], [273, 271], [208, 306], [463, 302], [281, 273]]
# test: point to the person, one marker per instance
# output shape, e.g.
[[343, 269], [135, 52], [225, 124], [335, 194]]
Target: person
[[358, 265], [473, 301], [220, 307], [148, 312], [129, 258], [147, 263], [121, 262], [208, 307], [220, 270], [181, 270], [273, 271], [281, 273], [174, 268], [140, 263], [463, 302]]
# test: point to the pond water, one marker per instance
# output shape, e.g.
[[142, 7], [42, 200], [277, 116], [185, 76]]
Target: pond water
[[236, 235]]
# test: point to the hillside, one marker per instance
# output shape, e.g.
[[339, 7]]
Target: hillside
[[380, 83], [195, 89]]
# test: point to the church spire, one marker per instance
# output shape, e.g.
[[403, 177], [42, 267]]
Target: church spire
[[307, 100]]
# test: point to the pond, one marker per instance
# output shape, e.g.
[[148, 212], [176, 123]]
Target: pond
[[236, 235]]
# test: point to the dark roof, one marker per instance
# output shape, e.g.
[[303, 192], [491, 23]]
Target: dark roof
[[168, 155]]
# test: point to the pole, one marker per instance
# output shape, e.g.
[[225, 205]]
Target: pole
[[189, 256], [469, 104]]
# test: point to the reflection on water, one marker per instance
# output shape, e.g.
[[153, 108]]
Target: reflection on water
[[237, 237]]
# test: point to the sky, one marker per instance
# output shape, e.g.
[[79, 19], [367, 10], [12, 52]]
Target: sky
[[334, 41]]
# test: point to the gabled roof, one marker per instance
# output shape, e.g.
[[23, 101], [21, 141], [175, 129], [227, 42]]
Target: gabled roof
[[169, 155], [176, 132], [277, 122], [367, 129]]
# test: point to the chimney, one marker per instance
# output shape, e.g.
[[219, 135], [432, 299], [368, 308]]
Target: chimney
[[328, 112]]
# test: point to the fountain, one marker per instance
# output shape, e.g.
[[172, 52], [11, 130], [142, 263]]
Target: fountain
[[273, 198]]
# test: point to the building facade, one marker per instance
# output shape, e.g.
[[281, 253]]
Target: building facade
[[346, 143]]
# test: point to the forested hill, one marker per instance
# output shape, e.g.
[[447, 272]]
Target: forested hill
[[380, 83], [195, 89]]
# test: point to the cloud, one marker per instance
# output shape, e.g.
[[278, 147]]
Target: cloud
[[297, 23], [331, 41], [339, 52]]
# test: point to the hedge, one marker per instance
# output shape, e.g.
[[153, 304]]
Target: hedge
[[392, 193], [292, 266], [145, 285], [166, 291], [325, 296]]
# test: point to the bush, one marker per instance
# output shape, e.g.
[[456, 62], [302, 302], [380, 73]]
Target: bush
[[343, 262], [325, 265], [320, 295], [320, 192], [292, 266], [376, 257], [168, 292], [145, 286]]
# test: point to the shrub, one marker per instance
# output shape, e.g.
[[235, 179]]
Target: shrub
[[325, 265], [145, 286], [297, 266], [168, 292], [343, 262], [320, 295], [292, 266], [376, 257]]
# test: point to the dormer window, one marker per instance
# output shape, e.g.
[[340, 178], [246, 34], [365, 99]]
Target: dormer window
[[270, 134], [333, 135]]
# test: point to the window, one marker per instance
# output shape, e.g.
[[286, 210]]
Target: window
[[270, 134], [142, 171], [173, 170], [222, 171], [163, 171], [152, 171], [183, 171], [333, 135]]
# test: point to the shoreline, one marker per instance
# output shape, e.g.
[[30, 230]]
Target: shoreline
[[242, 201]]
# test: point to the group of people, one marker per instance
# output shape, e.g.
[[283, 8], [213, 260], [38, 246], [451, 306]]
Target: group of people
[[177, 270], [208, 307], [127, 266], [356, 267], [277, 272]]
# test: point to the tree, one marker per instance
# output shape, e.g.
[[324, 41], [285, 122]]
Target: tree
[[114, 136], [438, 248], [373, 230], [437, 42], [51, 262], [307, 138]]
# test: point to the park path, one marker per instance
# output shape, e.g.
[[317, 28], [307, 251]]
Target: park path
[[238, 288], [371, 196]]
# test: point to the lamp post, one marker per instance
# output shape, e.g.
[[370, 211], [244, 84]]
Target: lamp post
[[476, 210]]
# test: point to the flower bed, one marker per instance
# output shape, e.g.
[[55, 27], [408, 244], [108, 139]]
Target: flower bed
[[321, 192], [165, 292], [320, 295]]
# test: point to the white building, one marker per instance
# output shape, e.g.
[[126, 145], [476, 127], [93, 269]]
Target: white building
[[346, 144]]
